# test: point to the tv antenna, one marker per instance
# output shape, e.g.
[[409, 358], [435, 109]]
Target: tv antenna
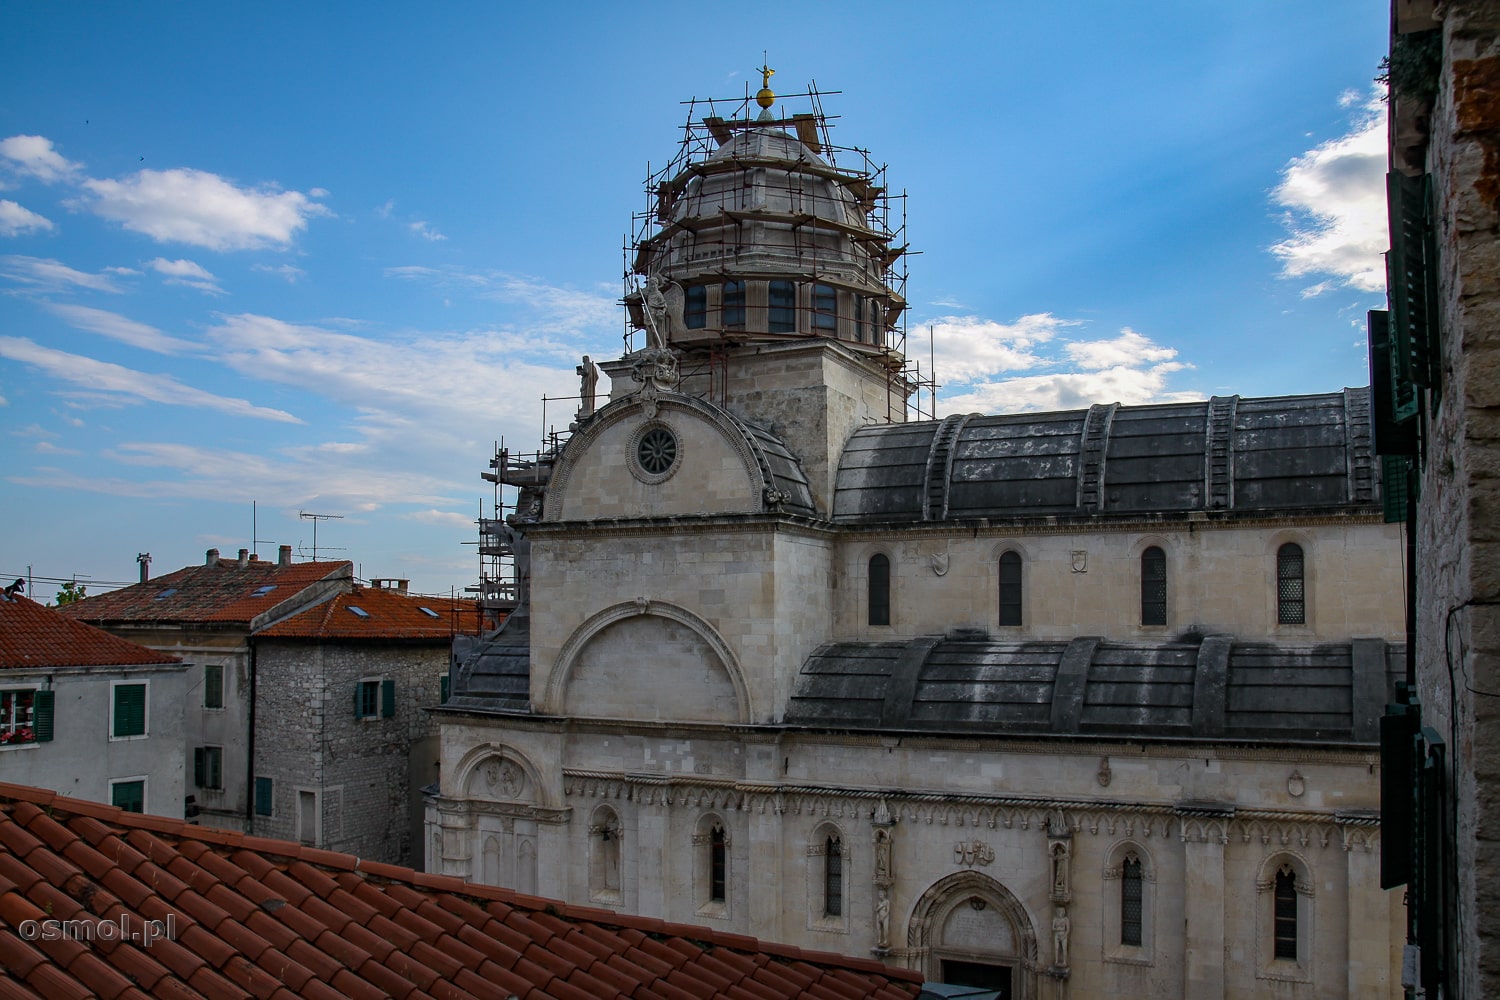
[[315, 518]]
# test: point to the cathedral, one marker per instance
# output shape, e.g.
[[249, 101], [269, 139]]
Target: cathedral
[[1076, 704]]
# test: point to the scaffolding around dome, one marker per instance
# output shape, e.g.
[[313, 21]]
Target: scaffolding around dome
[[755, 232]]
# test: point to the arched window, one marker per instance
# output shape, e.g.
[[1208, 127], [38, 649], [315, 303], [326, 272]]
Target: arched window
[[695, 307], [781, 317], [1132, 897], [833, 877], [880, 590], [1010, 588], [859, 318], [1285, 914], [718, 864], [604, 856], [1153, 587], [734, 303], [1291, 585], [825, 308]]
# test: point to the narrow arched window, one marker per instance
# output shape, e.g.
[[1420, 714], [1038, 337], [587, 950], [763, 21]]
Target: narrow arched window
[[1291, 585], [1010, 589], [880, 590], [859, 318], [833, 877], [717, 864], [1285, 928], [1153, 587], [695, 307], [781, 317], [825, 308], [734, 303], [1131, 901]]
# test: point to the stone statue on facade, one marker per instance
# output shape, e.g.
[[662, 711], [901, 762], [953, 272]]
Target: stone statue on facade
[[883, 919], [1061, 925], [664, 301], [588, 378], [1060, 853]]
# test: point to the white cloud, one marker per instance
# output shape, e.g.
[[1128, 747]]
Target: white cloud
[[202, 209], [121, 328], [425, 231], [15, 220], [186, 272], [1128, 350], [1070, 391], [564, 308], [48, 448], [443, 517], [969, 347], [1335, 194], [94, 376], [34, 156], [46, 274], [1129, 368]]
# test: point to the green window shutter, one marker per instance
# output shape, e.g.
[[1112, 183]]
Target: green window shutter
[[41, 716], [199, 769], [264, 797], [1412, 279], [359, 690], [128, 795], [213, 686], [387, 698], [1390, 394], [443, 690], [1393, 483], [130, 710]]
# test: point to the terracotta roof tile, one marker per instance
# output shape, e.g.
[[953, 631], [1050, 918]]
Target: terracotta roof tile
[[33, 636], [224, 593], [275, 920], [383, 614]]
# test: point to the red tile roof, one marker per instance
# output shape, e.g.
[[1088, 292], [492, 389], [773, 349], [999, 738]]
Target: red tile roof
[[387, 614], [223, 592], [265, 918], [35, 636]]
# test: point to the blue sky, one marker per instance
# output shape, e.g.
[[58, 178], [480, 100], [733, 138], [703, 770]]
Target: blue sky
[[323, 256]]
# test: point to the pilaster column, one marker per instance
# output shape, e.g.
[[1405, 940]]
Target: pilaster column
[[1204, 833]]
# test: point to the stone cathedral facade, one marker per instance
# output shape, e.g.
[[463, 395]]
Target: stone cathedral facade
[[1075, 704]]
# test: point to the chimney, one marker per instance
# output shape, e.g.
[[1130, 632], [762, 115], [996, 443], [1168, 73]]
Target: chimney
[[284, 556], [244, 558], [144, 558], [212, 559]]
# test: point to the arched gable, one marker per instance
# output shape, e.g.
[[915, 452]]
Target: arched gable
[[648, 659]]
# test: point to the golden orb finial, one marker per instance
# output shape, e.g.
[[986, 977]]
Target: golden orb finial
[[765, 98]]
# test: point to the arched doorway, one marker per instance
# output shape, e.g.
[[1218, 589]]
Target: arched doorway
[[969, 930]]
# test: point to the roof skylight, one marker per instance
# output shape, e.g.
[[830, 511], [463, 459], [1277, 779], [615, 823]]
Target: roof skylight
[[429, 612], [359, 612], [263, 591], [165, 594]]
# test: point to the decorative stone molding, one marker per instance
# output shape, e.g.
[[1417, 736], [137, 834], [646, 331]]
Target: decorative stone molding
[[973, 852]]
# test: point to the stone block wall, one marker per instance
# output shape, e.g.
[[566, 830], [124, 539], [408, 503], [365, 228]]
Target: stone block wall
[[1458, 582], [362, 773]]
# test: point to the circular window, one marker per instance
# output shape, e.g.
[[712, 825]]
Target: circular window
[[657, 450]]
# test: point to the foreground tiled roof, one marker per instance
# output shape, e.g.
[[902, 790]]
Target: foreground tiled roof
[[382, 614], [266, 918], [223, 592], [35, 636]]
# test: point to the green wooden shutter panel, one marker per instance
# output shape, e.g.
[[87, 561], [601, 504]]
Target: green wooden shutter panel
[[358, 689], [198, 767], [443, 690], [263, 796], [41, 716], [130, 710], [387, 698]]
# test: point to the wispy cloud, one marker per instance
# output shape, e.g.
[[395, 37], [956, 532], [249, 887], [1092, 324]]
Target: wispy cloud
[[1070, 391], [202, 209], [443, 517], [287, 271], [121, 328], [35, 156], [1335, 196], [94, 376], [186, 272], [425, 230], [564, 308], [16, 220], [46, 274]]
